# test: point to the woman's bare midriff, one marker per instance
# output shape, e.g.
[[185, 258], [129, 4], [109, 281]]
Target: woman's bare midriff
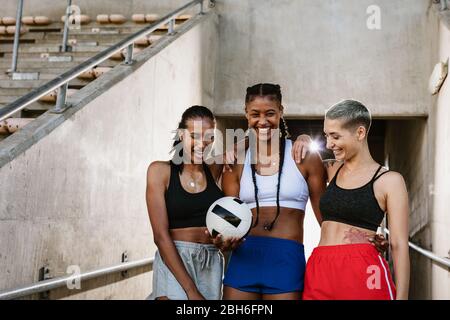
[[195, 234], [289, 224], [337, 233]]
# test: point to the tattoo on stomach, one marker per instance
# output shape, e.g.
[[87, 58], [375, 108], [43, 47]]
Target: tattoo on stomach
[[354, 235]]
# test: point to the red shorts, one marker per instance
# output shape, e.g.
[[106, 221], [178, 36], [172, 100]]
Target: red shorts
[[348, 272]]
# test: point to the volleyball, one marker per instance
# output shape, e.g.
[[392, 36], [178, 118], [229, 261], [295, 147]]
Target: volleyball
[[230, 217]]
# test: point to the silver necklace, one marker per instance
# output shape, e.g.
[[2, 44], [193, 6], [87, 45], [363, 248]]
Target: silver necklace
[[193, 182]]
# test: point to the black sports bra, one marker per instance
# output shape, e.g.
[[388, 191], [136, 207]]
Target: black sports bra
[[357, 207], [186, 209]]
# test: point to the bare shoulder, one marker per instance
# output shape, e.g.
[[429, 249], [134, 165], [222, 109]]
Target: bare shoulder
[[158, 171], [391, 179]]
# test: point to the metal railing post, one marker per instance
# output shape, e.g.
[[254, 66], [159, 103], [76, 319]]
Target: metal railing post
[[129, 54], [61, 98], [171, 26], [66, 27], [16, 36]]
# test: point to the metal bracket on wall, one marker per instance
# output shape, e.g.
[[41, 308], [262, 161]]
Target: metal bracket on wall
[[44, 274], [124, 259]]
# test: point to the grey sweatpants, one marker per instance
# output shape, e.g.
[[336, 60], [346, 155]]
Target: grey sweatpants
[[203, 262]]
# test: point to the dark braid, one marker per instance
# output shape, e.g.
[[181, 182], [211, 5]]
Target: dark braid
[[280, 169], [190, 113], [273, 91], [256, 193]]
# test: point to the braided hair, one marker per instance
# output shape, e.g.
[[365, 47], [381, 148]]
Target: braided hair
[[273, 92], [190, 113]]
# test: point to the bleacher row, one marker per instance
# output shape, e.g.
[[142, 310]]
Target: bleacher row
[[40, 58]]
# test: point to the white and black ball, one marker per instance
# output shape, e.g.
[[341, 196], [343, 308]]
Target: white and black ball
[[230, 217]]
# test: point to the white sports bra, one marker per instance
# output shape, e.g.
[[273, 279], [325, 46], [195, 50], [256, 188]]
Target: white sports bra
[[294, 190]]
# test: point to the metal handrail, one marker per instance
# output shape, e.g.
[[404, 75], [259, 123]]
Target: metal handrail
[[64, 78], [60, 282], [16, 36], [426, 253], [66, 27]]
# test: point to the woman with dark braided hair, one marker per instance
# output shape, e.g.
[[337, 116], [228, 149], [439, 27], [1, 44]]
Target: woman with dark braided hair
[[179, 192], [270, 262]]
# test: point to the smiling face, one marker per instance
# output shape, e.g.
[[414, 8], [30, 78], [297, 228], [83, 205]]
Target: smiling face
[[198, 135], [263, 115], [345, 142]]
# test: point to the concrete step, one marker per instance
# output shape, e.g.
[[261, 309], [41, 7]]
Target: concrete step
[[88, 40], [46, 29], [43, 74], [18, 92], [59, 27], [31, 84], [21, 41], [38, 105], [58, 42], [38, 57], [25, 36], [96, 36], [8, 99], [39, 64], [85, 46], [53, 49]]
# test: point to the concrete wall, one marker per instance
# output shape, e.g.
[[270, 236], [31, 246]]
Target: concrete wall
[[322, 51], [440, 222], [409, 152], [77, 196], [418, 149]]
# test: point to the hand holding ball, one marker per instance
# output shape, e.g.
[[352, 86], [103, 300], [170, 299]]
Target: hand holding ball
[[230, 217]]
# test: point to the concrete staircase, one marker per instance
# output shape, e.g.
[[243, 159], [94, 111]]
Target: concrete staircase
[[39, 53]]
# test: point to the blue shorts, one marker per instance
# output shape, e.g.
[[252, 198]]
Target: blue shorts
[[267, 265]]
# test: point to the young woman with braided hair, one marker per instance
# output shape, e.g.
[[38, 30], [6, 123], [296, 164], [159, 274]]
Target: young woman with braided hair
[[270, 263]]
